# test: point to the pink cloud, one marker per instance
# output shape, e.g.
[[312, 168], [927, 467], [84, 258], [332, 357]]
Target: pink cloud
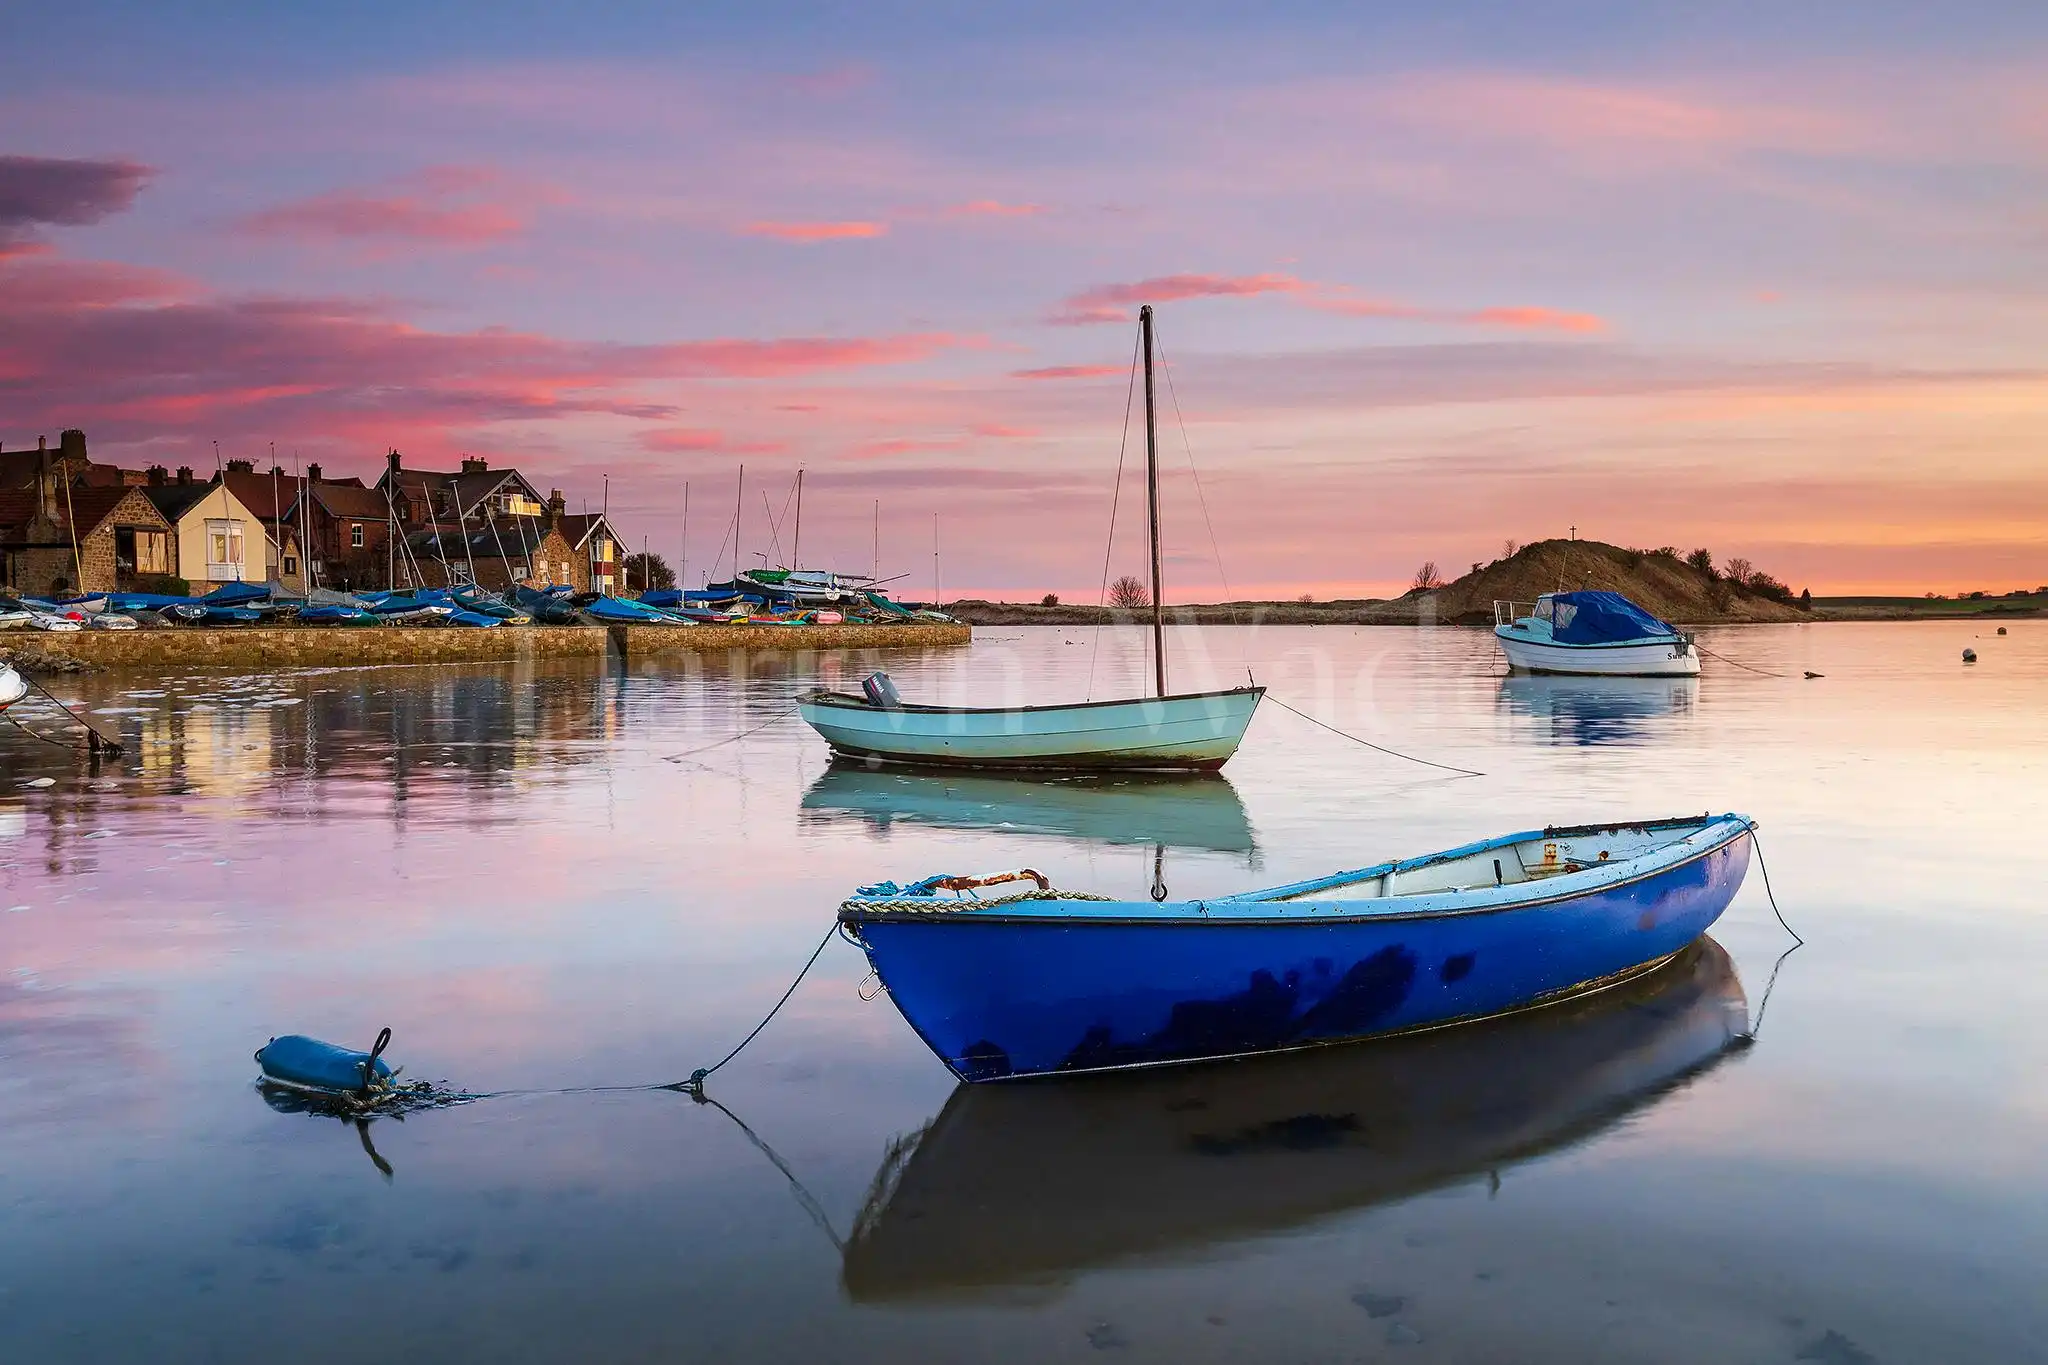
[[806, 234], [439, 206], [997, 430], [1538, 319], [875, 450], [1069, 372], [992, 208], [1113, 302], [147, 356], [689, 440]]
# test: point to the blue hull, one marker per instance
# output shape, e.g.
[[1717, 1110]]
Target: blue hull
[[1096, 987]]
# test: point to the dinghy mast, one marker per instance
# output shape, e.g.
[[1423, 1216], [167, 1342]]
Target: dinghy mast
[[1152, 507]]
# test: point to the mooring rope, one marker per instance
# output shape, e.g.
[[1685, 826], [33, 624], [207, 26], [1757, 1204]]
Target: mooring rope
[[695, 1085], [729, 739], [96, 742], [1764, 1003], [1378, 748], [1737, 662]]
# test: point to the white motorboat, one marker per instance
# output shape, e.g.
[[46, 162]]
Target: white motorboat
[[1595, 633], [1187, 732], [51, 621]]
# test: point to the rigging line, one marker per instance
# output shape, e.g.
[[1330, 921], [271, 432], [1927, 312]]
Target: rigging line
[[1194, 473], [687, 753], [1115, 496], [1380, 748], [774, 527], [721, 550]]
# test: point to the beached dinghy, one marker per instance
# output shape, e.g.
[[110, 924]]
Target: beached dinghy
[[13, 687], [1047, 981], [1188, 732], [1601, 633]]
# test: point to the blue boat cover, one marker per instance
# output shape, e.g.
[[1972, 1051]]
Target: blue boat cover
[[236, 594], [1602, 618]]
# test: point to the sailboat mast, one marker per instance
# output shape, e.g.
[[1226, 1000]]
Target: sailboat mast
[[796, 538], [739, 504], [1152, 507]]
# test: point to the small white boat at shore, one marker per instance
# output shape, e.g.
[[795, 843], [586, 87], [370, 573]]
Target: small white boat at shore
[[1600, 634], [13, 687]]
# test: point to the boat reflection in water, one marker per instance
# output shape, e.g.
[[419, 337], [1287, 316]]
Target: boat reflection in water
[[1597, 710], [1191, 812], [1023, 1186]]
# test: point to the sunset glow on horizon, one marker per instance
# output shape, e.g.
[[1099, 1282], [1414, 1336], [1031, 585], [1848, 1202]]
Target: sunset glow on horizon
[[1768, 286]]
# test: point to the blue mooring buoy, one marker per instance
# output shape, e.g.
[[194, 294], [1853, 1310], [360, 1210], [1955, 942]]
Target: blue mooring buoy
[[1969, 656], [301, 1063]]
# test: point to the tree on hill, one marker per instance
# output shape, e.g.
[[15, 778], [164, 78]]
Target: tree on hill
[[647, 571], [1702, 561], [1739, 571], [1129, 593], [1427, 579], [1051, 599]]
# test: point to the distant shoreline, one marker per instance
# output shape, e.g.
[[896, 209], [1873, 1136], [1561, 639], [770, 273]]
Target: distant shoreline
[[1407, 612]]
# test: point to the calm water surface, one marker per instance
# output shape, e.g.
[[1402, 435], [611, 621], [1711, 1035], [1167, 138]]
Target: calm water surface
[[520, 872]]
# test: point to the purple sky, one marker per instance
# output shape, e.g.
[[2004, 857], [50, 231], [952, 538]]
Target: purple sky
[[1427, 285]]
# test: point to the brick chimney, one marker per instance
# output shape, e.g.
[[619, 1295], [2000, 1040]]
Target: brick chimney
[[184, 475], [558, 507], [277, 471], [241, 466], [313, 473], [71, 446], [158, 476], [473, 465]]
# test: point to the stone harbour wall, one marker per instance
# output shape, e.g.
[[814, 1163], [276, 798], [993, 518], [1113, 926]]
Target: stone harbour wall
[[247, 647]]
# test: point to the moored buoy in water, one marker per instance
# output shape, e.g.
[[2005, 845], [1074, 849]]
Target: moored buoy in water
[[1969, 656], [1811, 674], [2001, 630], [301, 1063]]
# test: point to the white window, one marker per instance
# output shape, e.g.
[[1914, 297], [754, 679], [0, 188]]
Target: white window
[[223, 549], [355, 535]]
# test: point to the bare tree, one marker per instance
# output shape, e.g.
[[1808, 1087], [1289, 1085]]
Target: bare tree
[[1427, 579], [1508, 549], [1739, 571], [1129, 594]]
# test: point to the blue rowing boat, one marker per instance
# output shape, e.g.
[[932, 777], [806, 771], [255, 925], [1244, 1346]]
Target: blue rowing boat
[[1048, 981]]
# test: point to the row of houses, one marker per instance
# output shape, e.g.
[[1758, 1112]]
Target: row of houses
[[70, 524]]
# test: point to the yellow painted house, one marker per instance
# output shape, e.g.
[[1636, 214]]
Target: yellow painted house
[[218, 539]]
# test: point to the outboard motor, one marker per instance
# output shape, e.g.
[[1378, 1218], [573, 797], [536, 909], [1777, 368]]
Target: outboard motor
[[881, 692]]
